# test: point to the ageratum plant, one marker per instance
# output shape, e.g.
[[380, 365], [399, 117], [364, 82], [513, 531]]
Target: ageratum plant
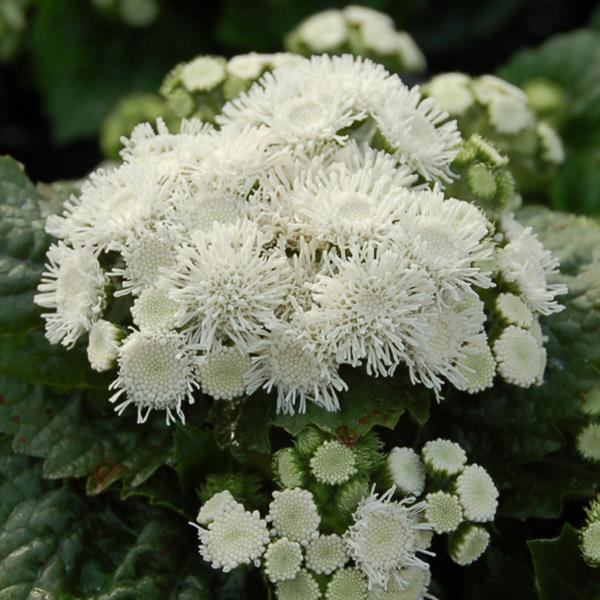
[[308, 233]]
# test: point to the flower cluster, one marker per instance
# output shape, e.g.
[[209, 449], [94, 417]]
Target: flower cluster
[[361, 31], [502, 113], [334, 535], [200, 87], [458, 497], [308, 234]]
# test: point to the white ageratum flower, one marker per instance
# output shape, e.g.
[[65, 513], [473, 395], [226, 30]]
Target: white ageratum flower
[[248, 66], [416, 129], [223, 372], [521, 359], [412, 56], [590, 543], [488, 87], [292, 358], [293, 514], [383, 537], [103, 345], [111, 204], [324, 31], [448, 238], [235, 537], [310, 104], [442, 347], [406, 471], [303, 587], [588, 442], [333, 463], [224, 284], [411, 584], [156, 372], [467, 544], [170, 149], [477, 368], [443, 457], [326, 553], [215, 506], [347, 207], [153, 310], [233, 160], [477, 494], [451, 92], [525, 263], [73, 284], [146, 253], [348, 583], [513, 311], [444, 511], [509, 115], [202, 74], [552, 147], [372, 303], [283, 560]]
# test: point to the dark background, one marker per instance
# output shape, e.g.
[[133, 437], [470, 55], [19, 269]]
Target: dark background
[[75, 61]]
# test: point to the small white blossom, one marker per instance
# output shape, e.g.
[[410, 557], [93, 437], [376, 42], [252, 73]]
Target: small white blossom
[[513, 310], [323, 31], [477, 368], [202, 74], [223, 373], [333, 463], [520, 357], [588, 442], [451, 91], [326, 553], [552, 147], [303, 587], [347, 584], [103, 345], [477, 494], [468, 544], [283, 560], [153, 310], [406, 471], [444, 511], [293, 514], [235, 537], [383, 538], [74, 286], [215, 506], [443, 457], [156, 372]]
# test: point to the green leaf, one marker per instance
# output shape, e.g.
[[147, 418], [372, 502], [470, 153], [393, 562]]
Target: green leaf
[[78, 437], [57, 545], [560, 571], [23, 244]]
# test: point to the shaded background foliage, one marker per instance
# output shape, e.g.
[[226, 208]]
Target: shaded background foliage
[[72, 61]]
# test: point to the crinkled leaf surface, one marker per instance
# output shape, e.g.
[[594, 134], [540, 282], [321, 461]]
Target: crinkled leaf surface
[[79, 435], [23, 244], [560, 571]]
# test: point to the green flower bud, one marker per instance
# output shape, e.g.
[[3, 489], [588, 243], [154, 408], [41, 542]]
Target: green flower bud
[[588, 442], [351, 493], [591, 402], [308, 440], [288, 469], [367, 452]]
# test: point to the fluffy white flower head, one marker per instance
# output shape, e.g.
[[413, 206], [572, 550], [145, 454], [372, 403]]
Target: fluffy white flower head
[[333, 463], [103, 345], [73, 285], [283, 560], [293, 514], [383, 538], [443, 457], [477, 494], [326, 553], [156, 372], [235, 537], [406, 471]]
